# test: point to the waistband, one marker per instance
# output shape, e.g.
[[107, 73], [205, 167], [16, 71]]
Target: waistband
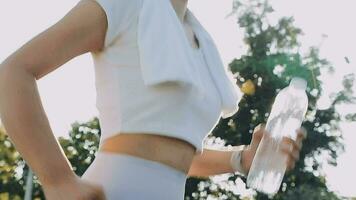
[[160, 168]]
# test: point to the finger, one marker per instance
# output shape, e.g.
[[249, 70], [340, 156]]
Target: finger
[[258, 133], [290, 163], [101, 193], [290, 144], [302, 133], [259, 127], [92, 196], [299, 140], [97, 192], [97, 196], [300, 137], [292, 154]]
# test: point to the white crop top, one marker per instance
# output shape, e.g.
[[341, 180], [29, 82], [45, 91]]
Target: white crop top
[[129, 101]]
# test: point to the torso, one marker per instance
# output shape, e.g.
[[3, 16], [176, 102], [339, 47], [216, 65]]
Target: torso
[[171, 151], [167, 150]]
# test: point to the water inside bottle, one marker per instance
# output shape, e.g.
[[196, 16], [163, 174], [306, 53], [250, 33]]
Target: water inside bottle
[[267, 179], [269, 164]]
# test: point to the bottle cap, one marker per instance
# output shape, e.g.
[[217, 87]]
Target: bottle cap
[[299, 83]]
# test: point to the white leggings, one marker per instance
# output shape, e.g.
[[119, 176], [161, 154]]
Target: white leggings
[[126, 177]]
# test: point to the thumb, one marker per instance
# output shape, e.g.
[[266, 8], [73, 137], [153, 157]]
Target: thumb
[[257, 135], [99, 189]]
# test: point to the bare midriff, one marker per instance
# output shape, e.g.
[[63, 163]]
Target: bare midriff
[[171, 151]]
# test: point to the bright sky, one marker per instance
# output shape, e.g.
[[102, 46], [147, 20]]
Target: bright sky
[[68, 94]]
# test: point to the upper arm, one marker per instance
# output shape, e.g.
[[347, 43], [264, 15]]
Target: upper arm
[[90, 26], [81, 30]]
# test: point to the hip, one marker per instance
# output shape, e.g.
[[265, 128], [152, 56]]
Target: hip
[[127, 177]]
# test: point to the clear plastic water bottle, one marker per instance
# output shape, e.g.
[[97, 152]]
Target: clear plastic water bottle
[[288, 111]]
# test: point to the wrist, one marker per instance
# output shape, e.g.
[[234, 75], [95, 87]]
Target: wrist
[[69, 183], [245, 154], [237, 159], [59, 179]]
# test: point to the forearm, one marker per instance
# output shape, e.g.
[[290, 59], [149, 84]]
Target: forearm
[[212, 162], [24, 119]]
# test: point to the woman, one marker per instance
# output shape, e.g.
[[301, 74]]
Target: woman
[[146, 51]]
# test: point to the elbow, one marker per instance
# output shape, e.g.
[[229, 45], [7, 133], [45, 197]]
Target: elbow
[[10, 74], [4, 73]]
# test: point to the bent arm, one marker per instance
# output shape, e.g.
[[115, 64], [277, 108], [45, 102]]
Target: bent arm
[[22, 114], [212, 162], [27, 126]]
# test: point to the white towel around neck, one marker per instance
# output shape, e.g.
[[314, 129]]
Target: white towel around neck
[[161, 39]]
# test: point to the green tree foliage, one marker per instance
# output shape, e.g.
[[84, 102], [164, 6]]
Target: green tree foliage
[[10, 182], [82, 144], [13, 171], [79, 147], [273, 58]]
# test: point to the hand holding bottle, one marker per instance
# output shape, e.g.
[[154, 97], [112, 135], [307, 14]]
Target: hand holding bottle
[[290, 147], [287, 114]]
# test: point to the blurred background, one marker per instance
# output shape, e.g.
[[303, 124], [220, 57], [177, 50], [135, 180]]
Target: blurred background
[[264, 43]]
